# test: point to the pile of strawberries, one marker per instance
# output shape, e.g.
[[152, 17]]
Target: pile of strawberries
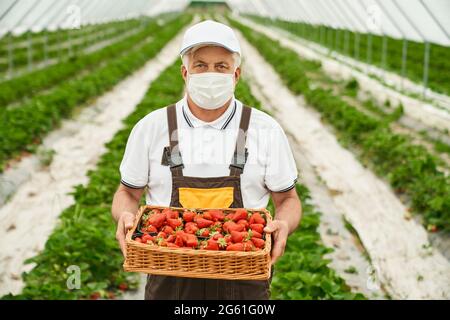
[[240, 230]]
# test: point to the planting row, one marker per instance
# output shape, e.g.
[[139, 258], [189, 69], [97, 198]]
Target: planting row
[[31, 83], [23, 127], [357, 45], [60, 44], [410, 169]]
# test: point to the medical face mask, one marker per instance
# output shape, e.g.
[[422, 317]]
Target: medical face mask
[[210, 90]]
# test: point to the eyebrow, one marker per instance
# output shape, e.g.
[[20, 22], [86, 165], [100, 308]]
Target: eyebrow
[[220, 62]]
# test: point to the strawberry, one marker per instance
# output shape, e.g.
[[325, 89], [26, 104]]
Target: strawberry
[[203, 232], [204, 223], [257, 218], [152, 229], [161, 242], [190, 227], [217, 235], [240, 236], [157, 219], [179, 240], [137, 239], [258, 227], [217, 215], [259, 243], [162, 235], [168, 229], [211, 245], [228, 239], [123, 286], [239, 214], [244, 223], [95, 296], [174, 223], [188, 216], [256, 234], [232, 226], [248, 245], [208, 216], [146, 238], [172, 245], [191, 240], [222, 243], [170, 238], [170, 214], [235, 247]]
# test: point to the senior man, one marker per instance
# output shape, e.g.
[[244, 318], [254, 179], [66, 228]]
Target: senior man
[[209, 151]]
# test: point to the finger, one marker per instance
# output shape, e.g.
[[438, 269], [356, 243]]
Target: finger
[[272, 226], [278, 249], [128, 222]]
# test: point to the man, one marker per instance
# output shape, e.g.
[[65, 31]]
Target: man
[[220, 154]]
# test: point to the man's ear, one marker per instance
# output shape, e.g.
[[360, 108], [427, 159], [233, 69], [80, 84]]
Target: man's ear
[[183, 72], [237, 74]]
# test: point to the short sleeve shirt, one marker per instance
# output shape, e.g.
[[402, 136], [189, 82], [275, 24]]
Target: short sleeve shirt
[[207, 149]]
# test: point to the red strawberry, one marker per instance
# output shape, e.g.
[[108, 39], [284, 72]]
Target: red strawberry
[[171, 238], [235, 247], [179, 241], [204, 223], [256, 234], [168, 229], [191, 240], [228, 238], [146, 238], [157, 219], [232, 226], [172, 245], [239, 214], [217, 235], [174, 223], [123, 286], [207, 215], [217, 215], [239, 236], [259, 243], [244, 223], [95, 296], [170, 214], [248, 246], [151, 229], [190, 227], [257, 218], [137, 239], [211, 245], [203, 232], [188, 216], [258, 227], [222, 243], [162, 235]]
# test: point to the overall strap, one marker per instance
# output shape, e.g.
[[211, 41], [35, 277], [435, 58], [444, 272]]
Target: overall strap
[[240, 152], [174, 156]]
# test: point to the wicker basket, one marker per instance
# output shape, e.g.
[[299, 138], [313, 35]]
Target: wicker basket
[[180, 262]]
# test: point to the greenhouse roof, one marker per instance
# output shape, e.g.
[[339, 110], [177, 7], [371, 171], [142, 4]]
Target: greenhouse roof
[[416, 20], [18, 16]]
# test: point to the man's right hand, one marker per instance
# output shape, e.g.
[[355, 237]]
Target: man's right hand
[[124, 224]]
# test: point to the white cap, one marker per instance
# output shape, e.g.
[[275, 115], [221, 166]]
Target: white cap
[[210, 32]]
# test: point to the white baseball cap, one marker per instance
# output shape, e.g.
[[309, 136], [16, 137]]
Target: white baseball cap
[[210, 32]]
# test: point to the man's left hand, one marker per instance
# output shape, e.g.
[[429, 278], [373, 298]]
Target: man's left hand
[[280, 231]]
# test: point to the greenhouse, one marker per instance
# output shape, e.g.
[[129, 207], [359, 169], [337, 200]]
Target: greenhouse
[[338, 116]]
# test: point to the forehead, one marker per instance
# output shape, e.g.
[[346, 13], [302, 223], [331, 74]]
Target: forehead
[[212, 54]]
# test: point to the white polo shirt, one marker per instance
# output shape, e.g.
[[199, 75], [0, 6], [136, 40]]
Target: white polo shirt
[[207, 149]]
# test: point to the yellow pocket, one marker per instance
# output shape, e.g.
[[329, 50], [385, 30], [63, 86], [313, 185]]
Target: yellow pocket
[[206, 198]]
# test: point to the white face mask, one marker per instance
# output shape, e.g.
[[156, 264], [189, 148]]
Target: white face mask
[[210, 90]]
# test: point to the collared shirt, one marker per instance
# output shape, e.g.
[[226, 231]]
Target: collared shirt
[[207, 149]]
